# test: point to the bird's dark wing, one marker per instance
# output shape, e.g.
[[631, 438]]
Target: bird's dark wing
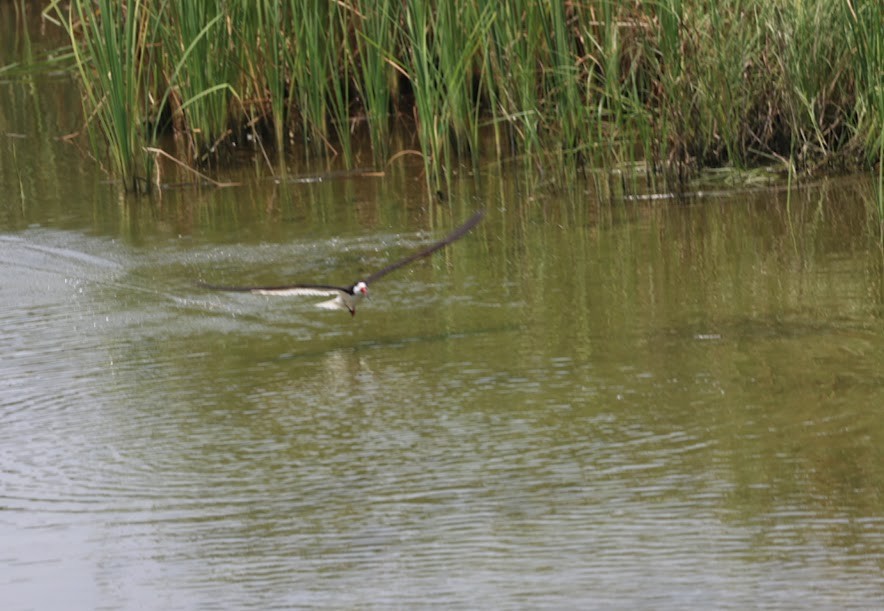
[[426, 252], [317, 290]]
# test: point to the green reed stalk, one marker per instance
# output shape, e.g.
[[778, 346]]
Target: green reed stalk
[[109, 40], [614, 90], [337, 86], [375, 30], [451, 22], [562, 77], [720, 75], [200, 86], [813, 58], [598, 55], [865, 21], [272, 51], [307, 61], [513, 47], [675, 84], [459, 30], [677, 108], [422, 69]]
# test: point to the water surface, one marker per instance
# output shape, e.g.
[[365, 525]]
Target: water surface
[[589, 402]]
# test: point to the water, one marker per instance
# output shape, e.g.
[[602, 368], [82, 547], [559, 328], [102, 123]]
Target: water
[[582, 404]]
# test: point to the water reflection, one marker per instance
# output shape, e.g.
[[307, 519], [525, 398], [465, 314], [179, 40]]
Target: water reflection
[[671, 409]]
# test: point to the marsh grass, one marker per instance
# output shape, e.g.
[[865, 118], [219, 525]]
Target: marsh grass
[[867, 35], [197, 98], [271, 53], [112, 78], [670, 85], [370, 51]]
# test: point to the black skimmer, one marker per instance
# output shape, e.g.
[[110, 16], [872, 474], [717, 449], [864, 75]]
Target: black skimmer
[[347, 297]]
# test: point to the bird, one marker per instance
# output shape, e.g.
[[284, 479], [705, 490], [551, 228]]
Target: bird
[[348, 297]]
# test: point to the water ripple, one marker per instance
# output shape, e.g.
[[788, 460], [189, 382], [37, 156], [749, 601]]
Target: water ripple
[[164, 446]]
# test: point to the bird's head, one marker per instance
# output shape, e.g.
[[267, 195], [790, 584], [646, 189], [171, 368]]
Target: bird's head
[[360, 289]]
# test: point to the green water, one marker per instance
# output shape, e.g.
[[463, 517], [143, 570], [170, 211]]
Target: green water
[[587, 402]]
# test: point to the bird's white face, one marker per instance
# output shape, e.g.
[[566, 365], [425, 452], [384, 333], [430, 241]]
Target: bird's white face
[[360, 290]]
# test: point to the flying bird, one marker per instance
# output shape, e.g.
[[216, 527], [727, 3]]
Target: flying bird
[[348, 297]]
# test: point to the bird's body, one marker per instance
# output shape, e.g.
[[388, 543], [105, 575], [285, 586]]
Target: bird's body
[[348, 297]]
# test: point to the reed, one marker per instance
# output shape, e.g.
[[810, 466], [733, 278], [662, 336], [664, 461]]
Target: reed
[[107, 54], [306, 61], [196, 92], [672, 85], [340, 74], [865, 21], [510, 57], [271, 55], [422, 71], [374, 27]]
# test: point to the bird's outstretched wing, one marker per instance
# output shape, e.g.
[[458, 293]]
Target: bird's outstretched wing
[[325, 290], [426, 252]]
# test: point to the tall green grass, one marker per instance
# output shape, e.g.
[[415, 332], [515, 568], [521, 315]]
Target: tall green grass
[[866, 26], [370, 48], [108, 37], [198, 34], [670, 85], [270, 55], [510, 62]]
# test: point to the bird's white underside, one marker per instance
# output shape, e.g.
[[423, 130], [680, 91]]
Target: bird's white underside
[[298, 291], [340, 301], [333, 304]]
